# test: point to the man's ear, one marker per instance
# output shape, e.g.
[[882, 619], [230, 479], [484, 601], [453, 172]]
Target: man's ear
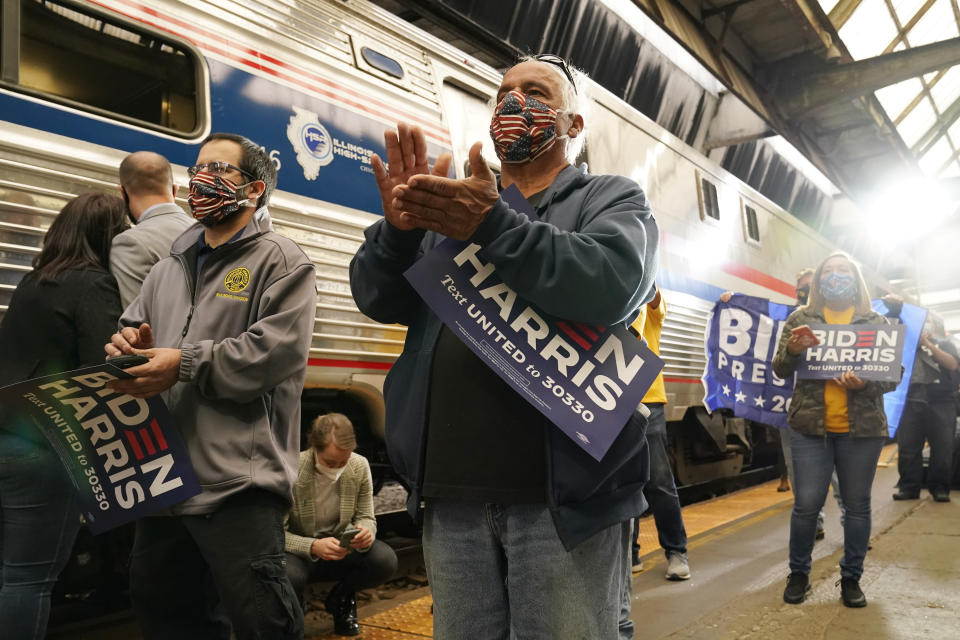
[[576, 127], [256, 189]]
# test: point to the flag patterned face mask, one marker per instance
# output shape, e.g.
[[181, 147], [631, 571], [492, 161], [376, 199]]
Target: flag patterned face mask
[[213, 198], [522, 128]]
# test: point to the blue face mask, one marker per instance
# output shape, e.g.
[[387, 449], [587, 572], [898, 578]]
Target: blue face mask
[[838, 286]]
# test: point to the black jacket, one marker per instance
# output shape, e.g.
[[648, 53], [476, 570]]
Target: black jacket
[[58, 326]]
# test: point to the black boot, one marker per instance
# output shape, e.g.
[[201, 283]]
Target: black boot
[[798, 584], [851, 593], [334, 600], [345, 619]]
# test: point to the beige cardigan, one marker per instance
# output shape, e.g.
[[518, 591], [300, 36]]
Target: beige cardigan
[[356, 503]]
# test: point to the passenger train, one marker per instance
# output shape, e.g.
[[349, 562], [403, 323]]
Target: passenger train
[[316, 83]]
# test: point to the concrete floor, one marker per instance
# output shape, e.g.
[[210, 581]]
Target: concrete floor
[[911, 579]]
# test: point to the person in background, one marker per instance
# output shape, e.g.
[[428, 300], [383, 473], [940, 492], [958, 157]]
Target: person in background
[[58, 319], [334, 494], [146, 185], [930, 413], [524, 532], [835, 424], [661, 490]]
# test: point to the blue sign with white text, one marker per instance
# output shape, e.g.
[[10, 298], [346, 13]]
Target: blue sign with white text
[[587, 380], [871, 352], [741, 341], [124, 455]]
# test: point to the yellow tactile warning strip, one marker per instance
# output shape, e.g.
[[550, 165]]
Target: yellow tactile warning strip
[[409, 621], [412, 621]]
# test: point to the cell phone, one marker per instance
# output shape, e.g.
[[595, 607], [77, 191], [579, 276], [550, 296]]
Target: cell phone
[[347, 536], [127, 360], [805, 331]]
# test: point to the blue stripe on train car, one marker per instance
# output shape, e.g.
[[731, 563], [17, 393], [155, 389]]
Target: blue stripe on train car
[[323, 149]]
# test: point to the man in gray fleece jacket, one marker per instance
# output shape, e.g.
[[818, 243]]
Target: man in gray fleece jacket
[[226, 322]]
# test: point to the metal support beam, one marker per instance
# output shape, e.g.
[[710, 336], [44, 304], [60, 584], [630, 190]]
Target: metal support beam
[[727, 8], [842, 11], [940, 127], [855, 79]]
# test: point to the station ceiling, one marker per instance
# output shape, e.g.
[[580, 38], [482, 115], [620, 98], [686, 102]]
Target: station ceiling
[[866, 90]]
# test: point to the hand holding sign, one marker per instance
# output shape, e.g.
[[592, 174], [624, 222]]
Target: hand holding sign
[[801, 338], [407, 157], [849, 380], [454, 208]]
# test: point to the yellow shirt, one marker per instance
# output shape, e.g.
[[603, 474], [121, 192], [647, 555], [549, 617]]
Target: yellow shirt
[[649, 325], [834, 394]]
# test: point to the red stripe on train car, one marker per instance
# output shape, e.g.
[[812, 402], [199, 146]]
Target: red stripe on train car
[[436, 132], [683, 380], [759, 277], [349, 364]]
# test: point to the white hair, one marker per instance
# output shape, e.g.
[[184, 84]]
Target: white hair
[[574, 102]]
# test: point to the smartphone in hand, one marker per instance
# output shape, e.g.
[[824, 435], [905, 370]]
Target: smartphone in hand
[[347, 536], [127, 360], [805, 331]]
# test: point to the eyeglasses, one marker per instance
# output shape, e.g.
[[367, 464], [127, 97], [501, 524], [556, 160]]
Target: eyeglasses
[[557, 61], [217, 169]]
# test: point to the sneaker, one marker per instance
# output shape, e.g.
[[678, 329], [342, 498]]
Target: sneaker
[[798, 586], [637, 566], [677, 566], [941, 496], [902, 495], [851, 594]]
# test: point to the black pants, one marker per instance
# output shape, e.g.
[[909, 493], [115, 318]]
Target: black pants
[[935, 423], [356, 571], [196, 576]]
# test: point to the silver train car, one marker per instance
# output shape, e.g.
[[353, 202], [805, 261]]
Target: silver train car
[[316, 82]]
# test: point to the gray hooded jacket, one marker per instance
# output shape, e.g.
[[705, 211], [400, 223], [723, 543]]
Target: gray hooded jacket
[[244, 332]]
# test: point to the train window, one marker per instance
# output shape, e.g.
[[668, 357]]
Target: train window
[[750, 224], [709, 204], [379, 61], [92, 61]]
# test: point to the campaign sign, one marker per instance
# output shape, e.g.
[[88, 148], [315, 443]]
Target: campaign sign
[[872, 352], [123, 454], [587, 380], [741, 340], [912, 317]]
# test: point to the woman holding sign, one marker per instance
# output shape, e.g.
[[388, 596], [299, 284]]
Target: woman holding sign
[[835, 424], [58, 319]]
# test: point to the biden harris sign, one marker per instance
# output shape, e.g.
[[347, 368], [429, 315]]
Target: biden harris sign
[[741, 341], [587, 380], [123, 454], [871, 352]]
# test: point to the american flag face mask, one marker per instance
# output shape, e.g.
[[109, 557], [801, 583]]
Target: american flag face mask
[[213, 198], [522, 128]]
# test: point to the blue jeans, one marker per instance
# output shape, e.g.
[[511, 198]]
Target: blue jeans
[[934, 422], [500, 571], [39, 521], [661, 490], [814, 459], [788, 460]]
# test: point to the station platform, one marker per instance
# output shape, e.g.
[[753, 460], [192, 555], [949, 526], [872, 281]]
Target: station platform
[[738, 558]]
